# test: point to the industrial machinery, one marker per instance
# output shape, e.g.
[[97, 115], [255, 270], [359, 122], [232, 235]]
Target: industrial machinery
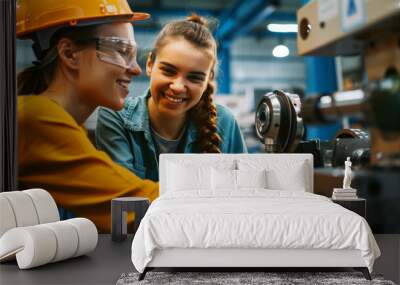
[[278, 124], [338, 28], [280, 116]]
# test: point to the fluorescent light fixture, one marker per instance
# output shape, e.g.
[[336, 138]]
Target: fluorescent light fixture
[[280, 51], [282, 28]]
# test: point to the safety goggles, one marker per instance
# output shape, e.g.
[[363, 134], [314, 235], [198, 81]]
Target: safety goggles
[[116, 51]]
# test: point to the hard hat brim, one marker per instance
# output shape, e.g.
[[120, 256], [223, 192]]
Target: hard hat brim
[[139, 16]]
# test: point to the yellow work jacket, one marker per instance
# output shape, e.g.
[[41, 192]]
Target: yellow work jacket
[[55, 154]]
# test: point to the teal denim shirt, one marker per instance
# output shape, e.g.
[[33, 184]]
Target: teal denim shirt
[[126, 136]]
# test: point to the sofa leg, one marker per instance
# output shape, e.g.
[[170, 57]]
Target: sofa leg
[[364, 271], [143, 274]]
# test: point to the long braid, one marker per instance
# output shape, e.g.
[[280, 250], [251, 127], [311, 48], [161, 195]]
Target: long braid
[[204, 115]]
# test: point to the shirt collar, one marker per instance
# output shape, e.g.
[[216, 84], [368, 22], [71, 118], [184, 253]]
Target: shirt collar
[[135, 113], [136, 117]]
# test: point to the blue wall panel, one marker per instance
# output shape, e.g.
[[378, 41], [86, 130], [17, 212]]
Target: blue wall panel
[[224, 69], [321, 78]]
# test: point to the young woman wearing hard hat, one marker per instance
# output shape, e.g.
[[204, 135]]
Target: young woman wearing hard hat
[[86, 57]]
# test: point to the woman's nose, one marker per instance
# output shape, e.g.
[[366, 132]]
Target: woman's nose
[[134, 69], [178, 86]]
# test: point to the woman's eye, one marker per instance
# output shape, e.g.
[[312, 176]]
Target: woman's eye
[[196, 78], [123, 51], [168, 71]]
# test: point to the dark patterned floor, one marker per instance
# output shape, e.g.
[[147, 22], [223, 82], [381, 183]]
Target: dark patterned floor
[[231, 278]]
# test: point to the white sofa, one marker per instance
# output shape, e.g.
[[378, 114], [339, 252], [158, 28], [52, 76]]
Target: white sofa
[[31, 231]]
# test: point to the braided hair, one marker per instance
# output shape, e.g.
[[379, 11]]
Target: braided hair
[[204, 115]]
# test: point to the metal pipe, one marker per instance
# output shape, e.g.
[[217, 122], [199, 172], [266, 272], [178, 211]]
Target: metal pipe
[[329, 108]]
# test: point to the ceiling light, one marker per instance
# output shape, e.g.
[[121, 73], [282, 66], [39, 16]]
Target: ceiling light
[[282, 28], [280, 51]]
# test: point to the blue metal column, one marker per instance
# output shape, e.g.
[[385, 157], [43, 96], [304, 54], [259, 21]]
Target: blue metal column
[[321, 78], [224, 68], [321, 74]]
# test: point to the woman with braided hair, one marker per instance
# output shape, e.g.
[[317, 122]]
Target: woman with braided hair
[[177, 114]]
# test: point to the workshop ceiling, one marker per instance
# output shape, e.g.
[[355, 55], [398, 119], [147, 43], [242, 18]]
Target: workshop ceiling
[[163, 11], [189, 4]]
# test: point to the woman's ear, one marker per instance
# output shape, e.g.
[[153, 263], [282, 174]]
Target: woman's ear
[[212, 74], [67, 53], [149, 64]]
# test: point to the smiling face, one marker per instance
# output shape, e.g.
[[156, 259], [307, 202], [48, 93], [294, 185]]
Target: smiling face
[[178, 77], [101, 80]]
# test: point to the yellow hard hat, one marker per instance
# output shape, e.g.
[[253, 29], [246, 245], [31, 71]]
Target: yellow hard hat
[[38, 15]]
